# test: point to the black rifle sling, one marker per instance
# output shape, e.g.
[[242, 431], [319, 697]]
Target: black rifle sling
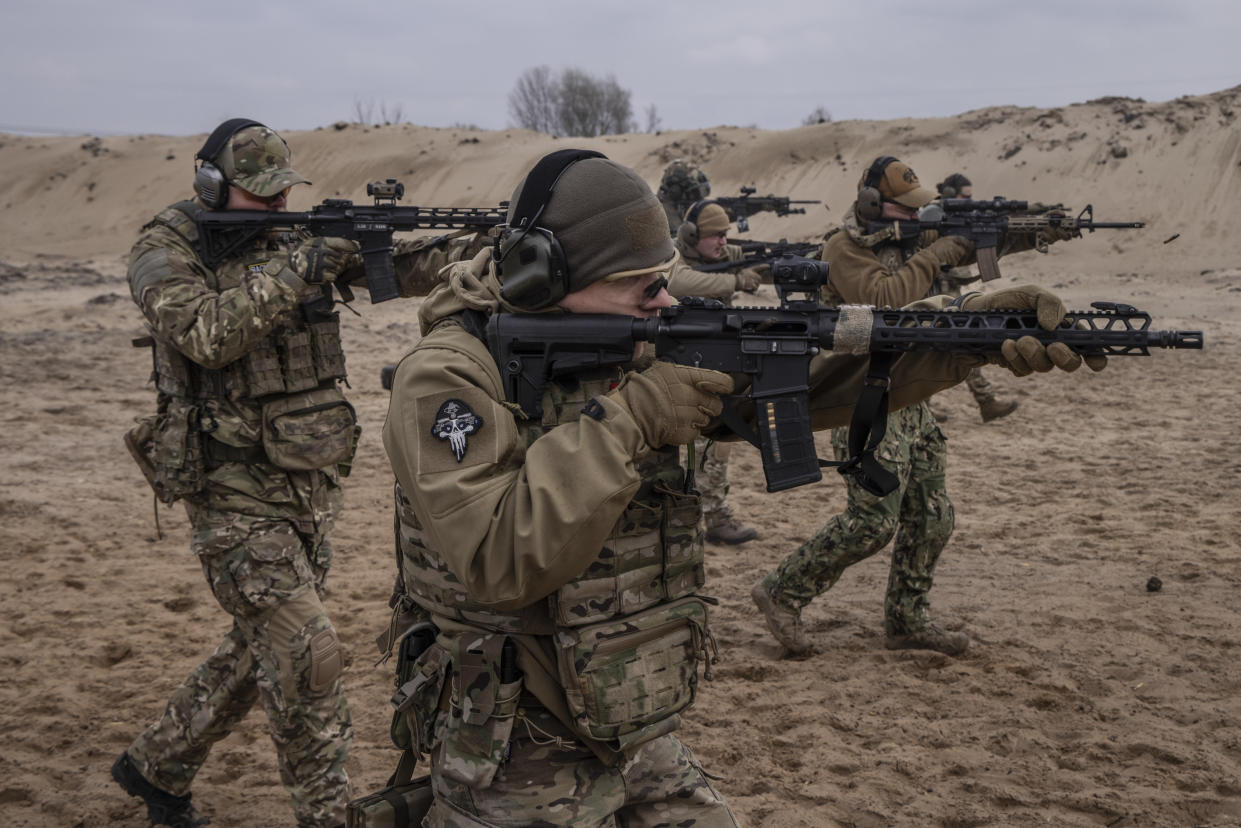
[[869, 425]]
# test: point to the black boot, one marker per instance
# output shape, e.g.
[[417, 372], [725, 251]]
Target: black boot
[[162, 807]]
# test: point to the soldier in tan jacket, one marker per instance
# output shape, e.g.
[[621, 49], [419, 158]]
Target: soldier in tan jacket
[[560, 557]]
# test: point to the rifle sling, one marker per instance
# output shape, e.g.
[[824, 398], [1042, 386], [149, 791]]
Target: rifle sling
[[867, 429]]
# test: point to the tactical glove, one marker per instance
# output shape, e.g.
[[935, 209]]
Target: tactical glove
[[748, 280], [952, 250], [1027, 354], [1052, 234], [316, 260], [671, 403]]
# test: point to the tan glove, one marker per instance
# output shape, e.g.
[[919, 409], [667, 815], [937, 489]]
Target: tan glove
[[1052, 234], [1027, 354], [671, 403], [322, 258], [748, 280], [951, 250], [927, 238]]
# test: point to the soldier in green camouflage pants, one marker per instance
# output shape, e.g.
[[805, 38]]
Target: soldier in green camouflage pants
[[875, 269], [919, 513]]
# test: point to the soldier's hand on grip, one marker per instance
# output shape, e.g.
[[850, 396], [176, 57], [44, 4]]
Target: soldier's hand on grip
[[952, 250], [1027, 354], [748, 280], [671, 403], [322, 258], [1054, 234]]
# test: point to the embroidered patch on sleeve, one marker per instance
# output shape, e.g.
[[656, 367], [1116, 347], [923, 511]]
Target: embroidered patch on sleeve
[[455, 422], [455, 432]]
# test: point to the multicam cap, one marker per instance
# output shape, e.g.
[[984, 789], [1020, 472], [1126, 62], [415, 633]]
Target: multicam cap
[[683, 182], [900, 184], [256, 159]]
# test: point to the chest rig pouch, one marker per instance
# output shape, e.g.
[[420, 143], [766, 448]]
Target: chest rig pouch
[[310, 430], [630, 629]]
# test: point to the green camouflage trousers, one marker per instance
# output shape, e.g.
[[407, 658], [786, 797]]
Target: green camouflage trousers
[[919, 513], [711, 480], [545, 785], [281, 650]]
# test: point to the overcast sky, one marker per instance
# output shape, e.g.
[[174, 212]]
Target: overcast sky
[[177, 68]]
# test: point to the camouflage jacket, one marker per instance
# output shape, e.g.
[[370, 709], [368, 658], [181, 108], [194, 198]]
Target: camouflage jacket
[[230, 338]]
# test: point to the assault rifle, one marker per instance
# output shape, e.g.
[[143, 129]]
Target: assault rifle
[[222, 232], [774, 348], [739, 208], [761, 252], [983, 222]]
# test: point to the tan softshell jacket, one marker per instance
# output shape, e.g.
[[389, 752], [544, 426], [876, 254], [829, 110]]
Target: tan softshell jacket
[[514, 522]]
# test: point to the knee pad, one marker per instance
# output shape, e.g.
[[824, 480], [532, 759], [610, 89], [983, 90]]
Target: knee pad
[[305, 644]]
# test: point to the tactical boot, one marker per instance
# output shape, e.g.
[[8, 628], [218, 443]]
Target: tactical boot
[[784, 623], [930, 637], [162, 807], [994, 409], [730, 531]]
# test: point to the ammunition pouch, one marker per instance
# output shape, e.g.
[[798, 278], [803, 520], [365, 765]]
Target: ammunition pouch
[[626, 679], [476, 728], [310, 430], [422, 668], [168, 448]]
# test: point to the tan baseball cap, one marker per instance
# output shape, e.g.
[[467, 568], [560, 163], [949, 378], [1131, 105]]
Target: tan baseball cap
[[900, 183]]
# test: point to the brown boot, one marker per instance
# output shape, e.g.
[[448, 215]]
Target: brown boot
[[930, 637], [730, 531], [994, 409], [784, 623]]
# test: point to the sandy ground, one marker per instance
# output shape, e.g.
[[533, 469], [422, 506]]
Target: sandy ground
[[1085, 700]]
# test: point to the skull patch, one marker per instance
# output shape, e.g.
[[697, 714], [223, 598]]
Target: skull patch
[[454, 422]]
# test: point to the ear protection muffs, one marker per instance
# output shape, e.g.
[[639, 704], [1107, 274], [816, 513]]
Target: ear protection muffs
[[531, 264], [210, 185], [946, 191], [869, 199], [688, 231]]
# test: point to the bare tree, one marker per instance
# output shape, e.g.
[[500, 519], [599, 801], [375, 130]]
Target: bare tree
[[533, 101], [653, 121], [819, 116], [573, 103], [364, 113]]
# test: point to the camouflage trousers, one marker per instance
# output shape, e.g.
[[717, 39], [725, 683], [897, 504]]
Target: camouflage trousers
[[918, 513], [544, 785], [282, 650], [711, 479]]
